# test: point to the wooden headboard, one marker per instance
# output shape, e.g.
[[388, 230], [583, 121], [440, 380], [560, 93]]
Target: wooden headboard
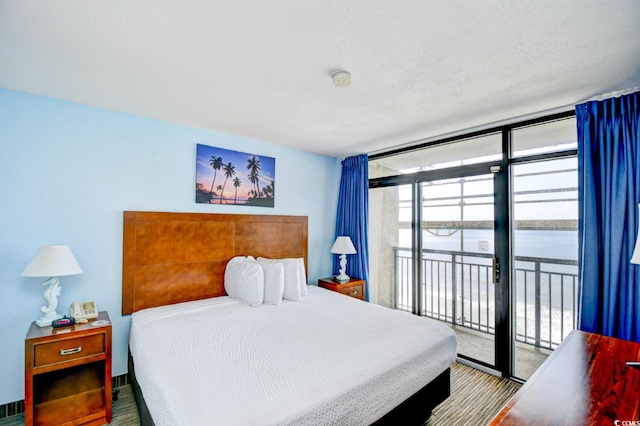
[[177, 257]]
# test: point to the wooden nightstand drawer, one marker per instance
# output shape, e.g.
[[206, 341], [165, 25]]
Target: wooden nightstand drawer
[[67, 350], [353, 291], [355, 287]]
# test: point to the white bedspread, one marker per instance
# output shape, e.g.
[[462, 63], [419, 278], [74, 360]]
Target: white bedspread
[[327, 360]]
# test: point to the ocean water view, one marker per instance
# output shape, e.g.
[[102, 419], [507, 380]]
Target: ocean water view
[[545, 244]]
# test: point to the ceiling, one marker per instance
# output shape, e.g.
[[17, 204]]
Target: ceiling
[[262, 69]]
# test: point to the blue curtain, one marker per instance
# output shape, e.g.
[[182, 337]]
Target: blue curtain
[[353, 215], [608, 194]]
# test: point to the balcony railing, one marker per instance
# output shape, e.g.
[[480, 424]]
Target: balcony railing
[[457, 288]]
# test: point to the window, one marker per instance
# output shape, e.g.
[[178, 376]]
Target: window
[[479, 149]]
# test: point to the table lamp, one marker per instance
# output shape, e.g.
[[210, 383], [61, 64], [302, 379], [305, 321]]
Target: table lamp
[[343, 246], [51, 261]]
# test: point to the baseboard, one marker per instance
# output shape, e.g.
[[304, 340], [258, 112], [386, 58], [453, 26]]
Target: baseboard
[[14, 408], [121, 380], [11, 409]]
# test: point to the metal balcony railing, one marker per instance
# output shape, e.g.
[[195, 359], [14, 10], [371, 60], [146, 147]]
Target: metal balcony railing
[[457, 288]]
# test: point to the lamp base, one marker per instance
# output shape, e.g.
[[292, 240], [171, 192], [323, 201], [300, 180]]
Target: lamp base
[[51, 293], [45, 320], [342, 278]]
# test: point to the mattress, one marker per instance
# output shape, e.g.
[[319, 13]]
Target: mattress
[[326, 360]]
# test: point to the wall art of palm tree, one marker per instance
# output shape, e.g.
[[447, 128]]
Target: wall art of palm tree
[[225, 176]]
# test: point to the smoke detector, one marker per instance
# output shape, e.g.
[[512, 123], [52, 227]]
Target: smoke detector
[[342, 78]]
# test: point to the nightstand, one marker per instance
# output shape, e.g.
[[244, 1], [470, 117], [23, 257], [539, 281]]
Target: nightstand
[[68, 374], [355, 287]]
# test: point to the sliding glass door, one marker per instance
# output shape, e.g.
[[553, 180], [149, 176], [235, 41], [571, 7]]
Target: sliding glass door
[[457, 260], [432, 239]]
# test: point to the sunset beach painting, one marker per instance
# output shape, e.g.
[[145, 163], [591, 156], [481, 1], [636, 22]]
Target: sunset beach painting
[[235, 178]]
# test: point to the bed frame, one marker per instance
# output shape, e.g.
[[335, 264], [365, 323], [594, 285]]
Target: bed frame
[[177, 257]]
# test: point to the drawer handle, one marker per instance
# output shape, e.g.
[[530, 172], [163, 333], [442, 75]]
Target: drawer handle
[[70, 351], [353, 293]]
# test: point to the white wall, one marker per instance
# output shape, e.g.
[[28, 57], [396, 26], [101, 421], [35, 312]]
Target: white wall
[[68, 171]]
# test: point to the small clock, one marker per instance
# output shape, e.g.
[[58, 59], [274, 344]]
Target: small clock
[[62, 322]]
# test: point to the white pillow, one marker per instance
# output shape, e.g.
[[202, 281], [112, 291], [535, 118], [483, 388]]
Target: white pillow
[[303, 278], [244, 281], [292, 285], [301, 270], [273, 282]]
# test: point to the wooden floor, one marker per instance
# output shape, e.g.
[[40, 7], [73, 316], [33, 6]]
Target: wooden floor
[[488, 394]]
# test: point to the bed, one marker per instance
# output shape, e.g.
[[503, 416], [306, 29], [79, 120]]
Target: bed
[[197, 356]]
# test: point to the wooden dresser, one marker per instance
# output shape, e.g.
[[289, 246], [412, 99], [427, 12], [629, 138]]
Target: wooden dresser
[[585, 381], [68, 374]]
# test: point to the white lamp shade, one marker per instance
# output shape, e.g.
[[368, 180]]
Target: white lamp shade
[[635, 258], [343, 245], [52, 261]]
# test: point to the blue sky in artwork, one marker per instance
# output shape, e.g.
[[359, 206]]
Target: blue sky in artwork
[[205, 172]]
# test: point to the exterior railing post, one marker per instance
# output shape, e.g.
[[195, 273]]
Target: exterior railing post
[[537, 302], [454, 290], [396, 288]]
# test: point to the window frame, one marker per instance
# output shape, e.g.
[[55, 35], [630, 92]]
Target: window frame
[[503, 184]]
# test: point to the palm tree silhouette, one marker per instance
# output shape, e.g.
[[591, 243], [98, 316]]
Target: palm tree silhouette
[[253, 179], [216, 163], [229, 171], [236, 182], [254, 166], [219, 189], [269, 190]]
